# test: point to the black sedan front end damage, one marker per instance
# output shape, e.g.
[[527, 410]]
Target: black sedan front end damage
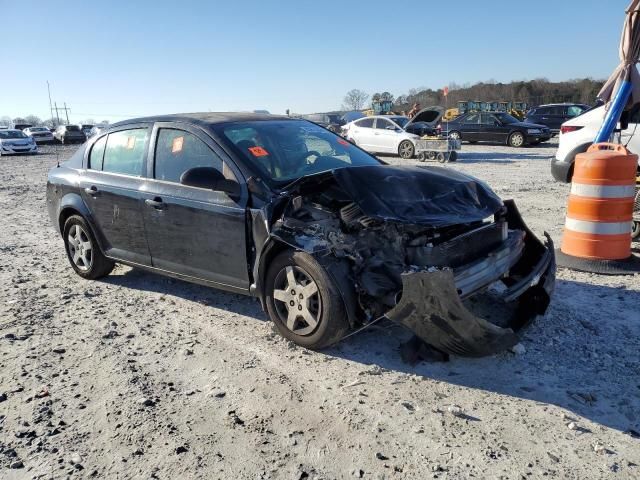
[[432, 301], [433, 250]]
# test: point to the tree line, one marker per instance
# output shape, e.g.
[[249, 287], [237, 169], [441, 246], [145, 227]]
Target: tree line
[[534, 92], [7, 121]]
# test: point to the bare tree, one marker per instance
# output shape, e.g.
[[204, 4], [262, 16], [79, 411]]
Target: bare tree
[[32, 120], [355, 99], [5, 121]]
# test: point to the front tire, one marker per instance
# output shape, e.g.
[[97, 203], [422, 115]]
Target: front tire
[[406, 149], [516, 139], [83, 252], [455, 135], [303, 302]]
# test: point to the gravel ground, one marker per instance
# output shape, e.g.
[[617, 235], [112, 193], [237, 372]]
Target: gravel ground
[[140, 376]]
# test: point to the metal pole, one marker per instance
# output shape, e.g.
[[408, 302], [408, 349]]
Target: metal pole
[[66, 112], [57, 114], [613, 114], [50, 106]]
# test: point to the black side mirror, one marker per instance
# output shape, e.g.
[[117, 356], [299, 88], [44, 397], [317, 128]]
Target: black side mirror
[[211, 179]]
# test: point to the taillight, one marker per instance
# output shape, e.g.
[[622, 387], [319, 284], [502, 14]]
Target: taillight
[[569, 128]]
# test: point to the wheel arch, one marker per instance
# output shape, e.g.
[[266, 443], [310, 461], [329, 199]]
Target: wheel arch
[[72, 204], [337, 269]]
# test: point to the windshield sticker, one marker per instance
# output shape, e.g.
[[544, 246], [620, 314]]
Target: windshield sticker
[[258, 151], [176, 145], [341, 141], [131, 142]]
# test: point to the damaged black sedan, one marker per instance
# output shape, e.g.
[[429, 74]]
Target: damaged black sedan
[[329, 238]]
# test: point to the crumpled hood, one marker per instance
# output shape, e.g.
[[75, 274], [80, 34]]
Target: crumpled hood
[[430, 196]]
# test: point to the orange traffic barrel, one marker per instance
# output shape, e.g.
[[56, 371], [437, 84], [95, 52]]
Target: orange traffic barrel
[[597, 230]]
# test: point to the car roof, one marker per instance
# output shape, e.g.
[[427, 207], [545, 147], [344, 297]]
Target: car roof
[[205, 118]]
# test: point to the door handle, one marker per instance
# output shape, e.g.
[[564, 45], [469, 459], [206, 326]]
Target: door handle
[[92, 190], [156, 203]]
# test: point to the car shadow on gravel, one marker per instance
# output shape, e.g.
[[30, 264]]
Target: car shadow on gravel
[[142, 280], [583, 360], [499, 157]]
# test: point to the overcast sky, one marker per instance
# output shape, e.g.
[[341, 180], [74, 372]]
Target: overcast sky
[[118, 59]]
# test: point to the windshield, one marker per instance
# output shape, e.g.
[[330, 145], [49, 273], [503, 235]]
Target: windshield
[[284, 150], [402, 121], [4, 134], [506, 118]]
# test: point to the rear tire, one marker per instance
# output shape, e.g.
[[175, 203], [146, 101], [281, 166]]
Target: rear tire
[[83, 251], [303, 302]]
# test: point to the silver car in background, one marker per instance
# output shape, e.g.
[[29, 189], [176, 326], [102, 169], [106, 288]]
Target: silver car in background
[[15, 141], [382, 134], [39, 134]]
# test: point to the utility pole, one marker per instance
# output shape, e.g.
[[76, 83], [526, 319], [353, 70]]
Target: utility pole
[[50, 105], [57, 116], [66, 111]]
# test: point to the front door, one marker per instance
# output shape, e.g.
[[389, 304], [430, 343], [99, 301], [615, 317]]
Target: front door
[[193, 231], [492, 129], [110, 187]]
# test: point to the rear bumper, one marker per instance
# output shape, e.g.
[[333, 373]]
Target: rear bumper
[[431, 303], [560, 170]]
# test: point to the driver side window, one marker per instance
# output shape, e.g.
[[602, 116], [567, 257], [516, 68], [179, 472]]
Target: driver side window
[[178, 151], [382, 124]]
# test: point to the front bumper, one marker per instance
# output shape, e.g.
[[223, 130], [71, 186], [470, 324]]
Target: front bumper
[[432, 301], [542, 137], [46, 139], [13, 149]]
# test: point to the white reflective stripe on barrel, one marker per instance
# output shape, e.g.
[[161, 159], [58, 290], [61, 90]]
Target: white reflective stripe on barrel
[[598, 228], [603, 191]]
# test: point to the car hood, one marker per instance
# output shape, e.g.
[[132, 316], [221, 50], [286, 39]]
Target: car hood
[[430, 116], [430, 196], [528, 125]]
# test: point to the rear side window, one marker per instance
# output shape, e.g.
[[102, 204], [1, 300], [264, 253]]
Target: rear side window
[[365, 123], [474, 118], [97, 153], [124, 152], [574, 111], [178, 151]]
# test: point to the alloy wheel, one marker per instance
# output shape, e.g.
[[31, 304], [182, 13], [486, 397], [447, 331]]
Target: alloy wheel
[[454, 135], [406, 149], [80, 248], [297, 300], [517, 139]]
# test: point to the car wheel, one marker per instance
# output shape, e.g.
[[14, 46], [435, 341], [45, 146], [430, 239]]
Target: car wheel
[[453, 156], [441, 157], [83, 251], [405, 149], [303, 302], [516, 139], [455, 135]]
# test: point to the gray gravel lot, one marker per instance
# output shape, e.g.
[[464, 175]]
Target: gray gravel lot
[[140, 376]]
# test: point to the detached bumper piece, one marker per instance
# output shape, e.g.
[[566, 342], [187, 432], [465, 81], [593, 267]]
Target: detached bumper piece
[[432, 301]]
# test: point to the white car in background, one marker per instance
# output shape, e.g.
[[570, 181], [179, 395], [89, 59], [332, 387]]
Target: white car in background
[[382, 134], [577, 134], [15, 141], [39, 134]]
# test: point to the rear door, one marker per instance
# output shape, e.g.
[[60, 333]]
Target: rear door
[[385, 137], [194, 231], [362, 133], [470, 127], [491, 129], [110, 187]]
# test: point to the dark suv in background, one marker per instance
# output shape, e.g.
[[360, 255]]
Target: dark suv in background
[[554, 115], [69, 134]]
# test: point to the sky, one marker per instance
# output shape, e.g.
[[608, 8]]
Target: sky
[[118, 59]]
